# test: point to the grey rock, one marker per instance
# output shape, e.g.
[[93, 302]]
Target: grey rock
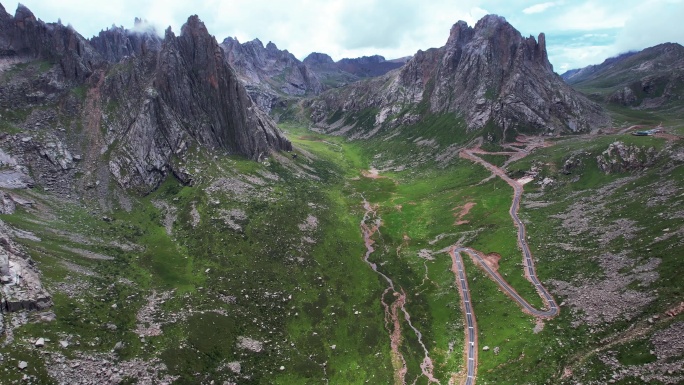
[[23, 365], [195, 97], [162, 96], [7, 205], [488, 74], [23, 290], [269, 72], [619, 157], [117, 43]]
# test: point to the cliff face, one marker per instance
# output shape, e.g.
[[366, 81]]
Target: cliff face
[[117, 43], [189, 95], [487, 74], [24, 35], [130, 102], [268, 72]]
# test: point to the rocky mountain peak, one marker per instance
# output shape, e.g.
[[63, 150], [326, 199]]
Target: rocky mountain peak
[[488, 74], [23, 14], [117, 43], [255, 43], [181, 95], [25, 35], [317, 58], [272, 47], [269, 72], [460, 34], [195, 27]]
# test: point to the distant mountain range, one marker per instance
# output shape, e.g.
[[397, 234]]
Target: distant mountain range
[[271, 74], [649, 79]]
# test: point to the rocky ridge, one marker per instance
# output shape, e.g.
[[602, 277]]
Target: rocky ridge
[[488, 74], [272, 75], [140, 101], [336, 74], [269, 73], [117, 43], [648, 79]]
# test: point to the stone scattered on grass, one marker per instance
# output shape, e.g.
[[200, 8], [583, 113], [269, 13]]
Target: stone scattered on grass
[[250, 344]]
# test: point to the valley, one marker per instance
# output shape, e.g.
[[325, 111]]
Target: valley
[[174, 210]]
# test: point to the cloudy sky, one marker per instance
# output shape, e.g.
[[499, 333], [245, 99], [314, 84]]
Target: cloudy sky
[[578, 32]]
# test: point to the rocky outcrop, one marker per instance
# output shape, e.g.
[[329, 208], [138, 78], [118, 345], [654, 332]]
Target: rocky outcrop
[[191, 96], [488, 74], [319, 60], [127, 102], [24, 35], [117, 43], [20, 286], [619, 157], [268, 72]]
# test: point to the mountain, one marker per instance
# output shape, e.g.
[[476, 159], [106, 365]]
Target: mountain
[[272, 75], [336, 74], [649, 79], [128, 103], [140, 241], [268, 72], [578, 74], [117, 43], [488, 74]]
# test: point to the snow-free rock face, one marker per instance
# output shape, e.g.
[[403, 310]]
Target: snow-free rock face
[[117, 43], [138, 102], [24, 35], [487, 74], [268, 72], [191, 96], [20, 286]]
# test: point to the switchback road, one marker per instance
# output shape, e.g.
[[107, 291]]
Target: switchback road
[[471, 347]]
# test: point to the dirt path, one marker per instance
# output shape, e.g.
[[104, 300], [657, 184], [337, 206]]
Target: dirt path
[[490, 263], [370, 225], [465, 209]]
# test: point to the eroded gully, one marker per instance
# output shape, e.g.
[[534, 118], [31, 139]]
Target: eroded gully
[[370, 224]]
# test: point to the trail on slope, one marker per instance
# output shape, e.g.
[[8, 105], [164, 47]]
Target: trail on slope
[[551, 310], [393, 308]]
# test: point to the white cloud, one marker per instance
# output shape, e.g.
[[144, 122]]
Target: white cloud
[[652, 23], [538, 8], [567, 58], [592, 15], [392, 28]]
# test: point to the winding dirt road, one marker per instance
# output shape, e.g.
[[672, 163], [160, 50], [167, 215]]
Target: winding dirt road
[[458, 268]]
